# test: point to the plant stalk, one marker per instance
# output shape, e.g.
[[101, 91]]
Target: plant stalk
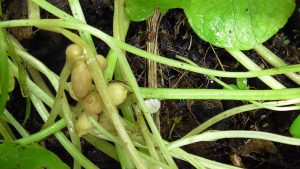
[[250, 65], [275, 61], [219, 94]]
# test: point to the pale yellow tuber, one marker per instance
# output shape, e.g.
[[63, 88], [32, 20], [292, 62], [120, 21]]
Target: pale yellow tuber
[[118, 92], [83, 125], [106, 123], [92, 103], [73, 53], [81, 79], [102, 62]]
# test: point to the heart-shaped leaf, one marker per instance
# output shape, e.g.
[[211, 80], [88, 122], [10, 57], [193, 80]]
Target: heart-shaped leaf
[[238, 24], [233, 24]]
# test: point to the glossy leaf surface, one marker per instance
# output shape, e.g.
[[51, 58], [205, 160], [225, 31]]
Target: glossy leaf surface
[[238, 24], [15, 156], [233, 24]]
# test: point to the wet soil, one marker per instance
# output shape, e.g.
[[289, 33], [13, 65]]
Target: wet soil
[[175, 37]]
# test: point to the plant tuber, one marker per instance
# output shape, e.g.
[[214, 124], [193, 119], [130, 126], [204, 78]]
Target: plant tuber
[[73, 53], [83, 125], [102, 62], [118, 92], [81, 79], [92, 103]]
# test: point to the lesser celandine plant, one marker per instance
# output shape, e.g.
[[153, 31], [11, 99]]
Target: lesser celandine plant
[[133, 139]]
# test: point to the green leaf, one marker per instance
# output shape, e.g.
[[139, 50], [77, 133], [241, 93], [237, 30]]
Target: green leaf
[[242, 83], [238, 24], [139, 10], [295, 127], [15, 156]]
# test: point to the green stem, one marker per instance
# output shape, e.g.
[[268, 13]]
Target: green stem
[[220, 94], [58, 105], [5, 132], [56, 127], [250, 65], [145, 133], [120, 28], [16, 124], [54, 10], [275, 61], [216, 135], [127, 111], [78, 14], [38, 79], [33, 10], [125, 160], [185, 157], [154, 163], [179, 153]]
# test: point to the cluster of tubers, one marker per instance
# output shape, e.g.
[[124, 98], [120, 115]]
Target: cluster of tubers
[[81, 85]]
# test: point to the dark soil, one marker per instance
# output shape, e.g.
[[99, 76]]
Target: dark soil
[[175, 37]]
